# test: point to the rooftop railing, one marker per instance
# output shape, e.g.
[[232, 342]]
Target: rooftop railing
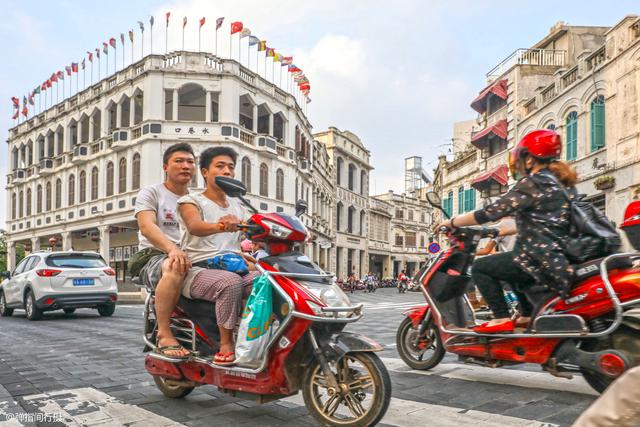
[[536, 57]]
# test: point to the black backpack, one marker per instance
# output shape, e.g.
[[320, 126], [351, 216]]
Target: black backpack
[[592, 234]]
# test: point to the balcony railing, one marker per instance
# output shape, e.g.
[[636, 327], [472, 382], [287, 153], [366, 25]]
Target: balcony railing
[[570, 77], [530, 106], [549, 93], [535, 57], [596, 58]]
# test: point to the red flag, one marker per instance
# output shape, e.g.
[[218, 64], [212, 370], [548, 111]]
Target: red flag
[[184, 22], [202, 21], [236, 27], [54, 77], [304, 86], [16, 102], [294, 69], [68, 70], [112, 42], [25, 111], [74, 67], [60, 75], [168, 15], [49, 83], [43, 86], [15, 116], [90, 56]]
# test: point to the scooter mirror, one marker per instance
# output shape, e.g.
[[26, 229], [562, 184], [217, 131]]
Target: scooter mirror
[[231, 187], [434, 199], [301, 207]]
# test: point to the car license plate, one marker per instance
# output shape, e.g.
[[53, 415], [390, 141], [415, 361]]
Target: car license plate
[[82, 282]]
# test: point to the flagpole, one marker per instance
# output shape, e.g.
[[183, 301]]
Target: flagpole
[[107, 68], [84, 79], [199, 31], [151, 39], [230, 45], [215, 40], [258, 58], [239, 55], [183, 38], [122, 42], [280, 76], [166, 39], [77, 80], [91, 83], [99, 66], [141, 44]]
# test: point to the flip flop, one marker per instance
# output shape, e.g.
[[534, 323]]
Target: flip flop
[[224, 359], [176, 347]]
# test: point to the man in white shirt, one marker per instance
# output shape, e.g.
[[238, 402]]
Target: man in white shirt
[[159, 241]]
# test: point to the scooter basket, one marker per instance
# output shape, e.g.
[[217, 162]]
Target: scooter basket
[[444, 287]]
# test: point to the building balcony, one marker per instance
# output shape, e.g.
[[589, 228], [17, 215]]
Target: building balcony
[[80, 153], [120, 139], [529, 57], [19, 175], [46, 166]]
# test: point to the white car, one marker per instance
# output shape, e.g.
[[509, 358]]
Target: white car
[[46, 281]]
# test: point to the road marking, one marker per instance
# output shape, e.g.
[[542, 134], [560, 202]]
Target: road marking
[[409, 413], [476, 373], [84, 406]]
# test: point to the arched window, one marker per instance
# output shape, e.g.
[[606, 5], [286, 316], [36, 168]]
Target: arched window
[[246, 173], [572, 136], [340, 166], [350, 217], [352, 177], [110, 179], [83, 187], [264, 180], [279, 185], [597, 123], [460, 200], [122, 175], [363, 179], [550, 126], [14, 204], [28, 201], [362, 223], [191, 103], [94, 183], [47, 195], [135, 180], [21, 204], [71, 191], [339, 216], [58, 193], [448, 204], [39, 199]]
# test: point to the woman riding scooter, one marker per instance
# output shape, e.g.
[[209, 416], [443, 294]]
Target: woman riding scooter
[[542, 215]]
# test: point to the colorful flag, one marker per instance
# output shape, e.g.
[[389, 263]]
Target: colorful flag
[[245, 32], [307, 99], [83, 64], [25, 110], [68, 70], [53, 78], [236, 27], [74, 67], [16, 101], [270, 52], [16, 114], [304, 86], [131, 35], [112, 42], [294, 69], [151, 21], [43, 86], [37, 90], [276, 57], [202, 21], [253, 40], [49, 82], [105, 48], [90, 56], [141, 25], [219, 22], [24, 100], [262, 45], [31, 101], [60, 75], [98, 53], [168, 14], [184, 22], [122, 39], [286, 60]]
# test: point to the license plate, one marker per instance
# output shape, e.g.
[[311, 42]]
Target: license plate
[[82, 282]]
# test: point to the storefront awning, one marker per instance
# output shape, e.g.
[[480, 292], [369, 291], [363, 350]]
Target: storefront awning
[[499, 129], [499, 175], [498, 89]]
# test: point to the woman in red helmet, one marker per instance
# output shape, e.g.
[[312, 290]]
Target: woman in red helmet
[[542, 217]]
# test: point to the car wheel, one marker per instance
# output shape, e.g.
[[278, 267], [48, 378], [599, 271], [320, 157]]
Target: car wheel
[[33, 312], [69, 310], [106, 310], [4, 310]]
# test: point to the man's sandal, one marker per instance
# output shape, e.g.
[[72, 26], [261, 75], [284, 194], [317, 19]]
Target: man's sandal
[[176, 347], [224, 359]]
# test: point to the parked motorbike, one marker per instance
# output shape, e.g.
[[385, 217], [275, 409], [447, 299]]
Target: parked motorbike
[[594, 331], [343, 381]]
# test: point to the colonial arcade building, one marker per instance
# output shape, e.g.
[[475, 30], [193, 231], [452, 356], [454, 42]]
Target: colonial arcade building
[[76, 168]]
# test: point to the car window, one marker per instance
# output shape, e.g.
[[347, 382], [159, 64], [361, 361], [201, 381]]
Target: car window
[[20, 268], [33, 261], [76, 261]]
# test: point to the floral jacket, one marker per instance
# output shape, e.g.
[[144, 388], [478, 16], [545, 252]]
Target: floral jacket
[[542, 215]]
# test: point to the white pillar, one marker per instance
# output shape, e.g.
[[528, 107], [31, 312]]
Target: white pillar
[[207, 107], [270, 124], [132, 110], [66, 241], [175, 105], [118, 116], [35, 244], [255, 118], [79, 132], [103, 230], [11, 256], [56, 141]]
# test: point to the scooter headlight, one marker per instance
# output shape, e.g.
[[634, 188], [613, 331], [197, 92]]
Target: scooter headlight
[[277, 230], [330, 294]]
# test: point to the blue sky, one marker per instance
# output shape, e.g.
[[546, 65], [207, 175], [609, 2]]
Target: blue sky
[[397, 73]]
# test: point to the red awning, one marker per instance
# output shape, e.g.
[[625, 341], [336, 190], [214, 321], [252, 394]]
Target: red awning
[[499, 129], [499, 175], [498, 89]]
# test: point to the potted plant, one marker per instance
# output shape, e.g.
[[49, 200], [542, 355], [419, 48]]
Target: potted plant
[[604, 182]]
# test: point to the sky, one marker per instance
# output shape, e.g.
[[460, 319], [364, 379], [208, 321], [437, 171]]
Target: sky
[[396, 73]]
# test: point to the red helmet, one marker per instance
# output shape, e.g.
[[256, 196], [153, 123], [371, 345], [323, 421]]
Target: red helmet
[[631, 215], [543, 144]]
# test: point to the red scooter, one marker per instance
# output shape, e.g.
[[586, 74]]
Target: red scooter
[[594, 331], [343, 381]]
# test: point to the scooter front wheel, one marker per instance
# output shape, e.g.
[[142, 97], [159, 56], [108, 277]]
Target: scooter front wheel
[[174, 391], [362, 396], [422, 352]]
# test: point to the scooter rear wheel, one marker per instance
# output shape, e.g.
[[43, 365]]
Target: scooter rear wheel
[[426, 353], [171, 390], [363, 396]]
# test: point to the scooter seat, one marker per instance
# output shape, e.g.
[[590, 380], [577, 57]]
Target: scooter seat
[[592, 268]]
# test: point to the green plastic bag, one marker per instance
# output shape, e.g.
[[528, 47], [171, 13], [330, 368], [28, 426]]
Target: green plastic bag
[[255, 326]]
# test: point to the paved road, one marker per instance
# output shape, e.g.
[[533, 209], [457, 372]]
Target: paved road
[[86, 370]]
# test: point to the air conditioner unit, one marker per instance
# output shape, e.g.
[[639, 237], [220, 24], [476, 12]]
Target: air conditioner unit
[[95, 210], [267, 144]]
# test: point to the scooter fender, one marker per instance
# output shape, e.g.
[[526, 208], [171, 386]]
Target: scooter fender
[[631, 318], [345, 342], [416, 314]]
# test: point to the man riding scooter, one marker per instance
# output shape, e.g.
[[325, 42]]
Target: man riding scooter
[[542, 215]]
